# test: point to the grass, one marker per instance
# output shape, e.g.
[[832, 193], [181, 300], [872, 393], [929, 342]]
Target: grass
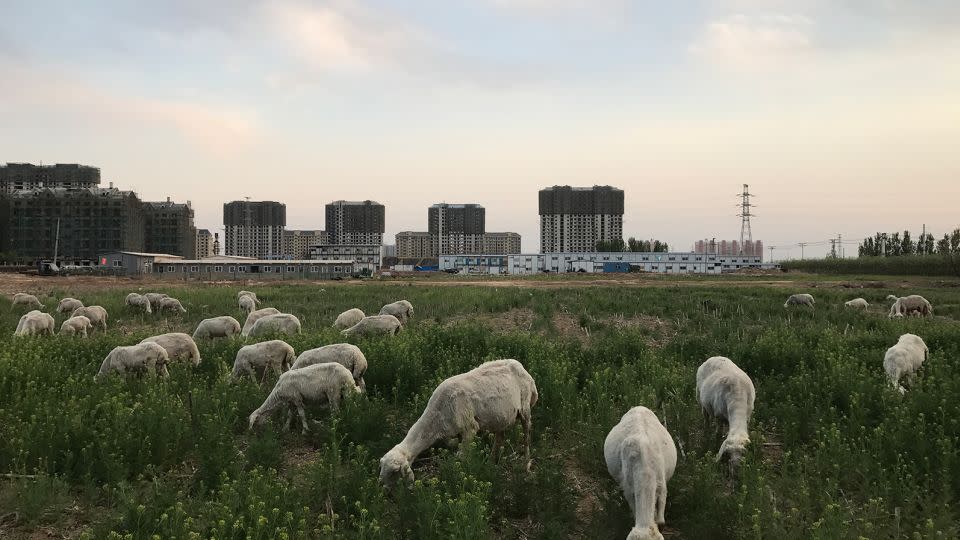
[[835, 452]]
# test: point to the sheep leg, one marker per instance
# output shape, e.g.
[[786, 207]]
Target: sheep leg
[[286, 426], [303, 416], [661, 500], [252, 373], [527, 435], [162, 371], [468, 434], [497, 444]]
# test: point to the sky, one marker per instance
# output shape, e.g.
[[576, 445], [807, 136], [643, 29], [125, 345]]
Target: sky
[[843, 116]]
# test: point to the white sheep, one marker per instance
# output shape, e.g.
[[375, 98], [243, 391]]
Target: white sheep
[[67, 305], [139, 301], [641, 456], [148, 356], [401, 309], [725, 391], [170, 304], [857, 303], [247, 304], [904, 359], [799, 300], [275, 354], [348, 318], [217, 327], [255, 316], [23, 299], [76, 326], [280, 323], [155, 298], [490, 398], [345, 354], [96, 314], [179, 346], [35, 323], [323, 383], [241, 294], [910, 305], [374, 325]]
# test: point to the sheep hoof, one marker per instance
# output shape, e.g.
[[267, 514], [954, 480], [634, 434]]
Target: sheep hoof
[[529, 466]]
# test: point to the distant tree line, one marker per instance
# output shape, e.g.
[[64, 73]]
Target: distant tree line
[[634, 245], [898, 245]]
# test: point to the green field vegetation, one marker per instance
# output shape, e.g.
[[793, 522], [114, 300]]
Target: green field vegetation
[[835, 453], [913, 265]]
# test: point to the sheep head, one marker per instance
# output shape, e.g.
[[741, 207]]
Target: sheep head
[[394, 465], [256, 419], [733, 448], [650, 532], [891, 297]]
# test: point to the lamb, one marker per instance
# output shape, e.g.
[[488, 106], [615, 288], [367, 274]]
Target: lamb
[[641, 456], [348, 318], [23, 299], [247, 304], [490, 397], [170, 304], [401, 309], [139, 301], [374, 325], [67, 305], [345, 354], [274, 354], [280, 323], [913, 304], [725, 391], [217, 327], [857, 303], [904, 359], [76, 325], [35, 323], [799, 300], [179, 346], [96, 314], [255, 316], [241, 294], [147, 356], [318, 383], [155, 298]]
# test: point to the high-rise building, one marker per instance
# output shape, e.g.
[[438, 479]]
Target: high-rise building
[[254, 229], [574, 219], [296, 244], [90, 221], [355, 222], [500, 243], [27, 176], [416, 245], [456, 227], [750, 248], [204, 244], [168, 228]]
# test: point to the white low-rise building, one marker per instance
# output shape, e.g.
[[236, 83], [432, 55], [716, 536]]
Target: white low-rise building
[[365, 257], [665, 263]]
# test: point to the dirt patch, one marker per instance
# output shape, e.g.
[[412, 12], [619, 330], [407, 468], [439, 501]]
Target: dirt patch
[[586, 489], [516, 319], [659, 332], [568, 326]]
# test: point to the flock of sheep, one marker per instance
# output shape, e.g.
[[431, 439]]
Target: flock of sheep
[[639, 451]]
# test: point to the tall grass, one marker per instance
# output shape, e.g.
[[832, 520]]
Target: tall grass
[[908, 265], [836, 452]]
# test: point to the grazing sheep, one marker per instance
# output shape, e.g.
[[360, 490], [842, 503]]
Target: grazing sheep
[[241, 294], [67, 305], [274, 354], [76, 325], [280, 323], [799, 300], [147, 356], [35, 323], [490, 397], [327, 383], [892, 297], [247, 304], [641, 457], [139, 301], [96, 314], [255, 316], [345, 354], [400, 309], [348, 318], [179, 346], [23, 299], [171, 304], [857, 303], [725, 391], [374, 325], [217, 327], [911, 305], [904, 359], [155, 298]]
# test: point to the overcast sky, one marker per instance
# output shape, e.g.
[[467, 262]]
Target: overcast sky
[[842, 115]]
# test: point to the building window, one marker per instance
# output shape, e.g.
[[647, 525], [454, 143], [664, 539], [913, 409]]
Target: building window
[[337, 269], [291, 269], [193, 269], [171, 269], [313, 269], [117, 264], [231, 269], [218, 269]]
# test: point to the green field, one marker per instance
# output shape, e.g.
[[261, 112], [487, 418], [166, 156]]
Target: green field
[[836, 452]]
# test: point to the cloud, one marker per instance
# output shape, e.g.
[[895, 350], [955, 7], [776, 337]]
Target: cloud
[[750, 43]]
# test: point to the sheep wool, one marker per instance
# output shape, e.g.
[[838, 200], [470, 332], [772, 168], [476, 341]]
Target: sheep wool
[[275, 354], [320, 383], [904, 359], [374, 325], [347, 355], [725, 391]]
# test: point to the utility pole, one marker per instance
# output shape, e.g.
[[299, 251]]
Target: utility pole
[[802, 245], [833, 248], [923, 240], [840, 243], [771, 253], [746, 233]]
